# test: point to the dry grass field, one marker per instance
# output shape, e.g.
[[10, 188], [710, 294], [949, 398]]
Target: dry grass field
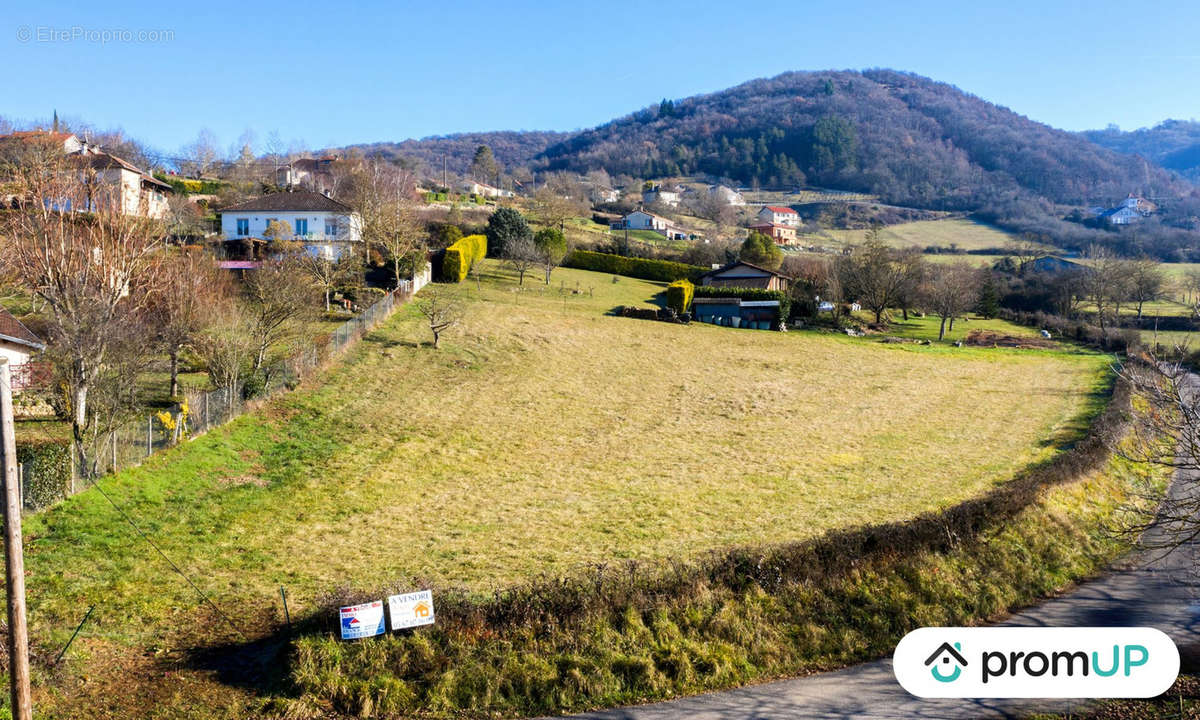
[[546, 434], [948, 233]]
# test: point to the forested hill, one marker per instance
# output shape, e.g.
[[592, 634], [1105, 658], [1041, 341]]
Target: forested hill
[[908, 139], [512, 149], [1174, 144]]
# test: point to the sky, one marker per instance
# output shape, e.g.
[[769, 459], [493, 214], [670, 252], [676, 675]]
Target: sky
[[331, 74]]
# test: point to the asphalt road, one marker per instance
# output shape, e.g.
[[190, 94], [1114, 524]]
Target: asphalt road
[[1152, 589]]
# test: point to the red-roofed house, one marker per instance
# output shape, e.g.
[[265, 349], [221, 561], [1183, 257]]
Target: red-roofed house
[[781, 234], [17, 345], [778, 215]]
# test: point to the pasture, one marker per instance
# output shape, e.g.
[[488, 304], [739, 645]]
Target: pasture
[[543, 436], [950, 233]]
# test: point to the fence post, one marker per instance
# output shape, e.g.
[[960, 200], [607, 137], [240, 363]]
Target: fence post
[[114, 449], [206, 410], [149, 435], [21, 482]]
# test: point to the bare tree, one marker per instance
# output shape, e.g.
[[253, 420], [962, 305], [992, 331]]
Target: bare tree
[[552, 206], [1147, 282], [201, 155], [190, 286], [278, 302], [1029, 249], [1101, 280], [951, 291], [873, 273], [382, 193], [328, 273], [521, 254], [228, 347], [441, 308], [94, 272]]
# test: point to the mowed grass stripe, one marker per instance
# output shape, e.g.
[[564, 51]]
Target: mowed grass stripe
[[546, 435]]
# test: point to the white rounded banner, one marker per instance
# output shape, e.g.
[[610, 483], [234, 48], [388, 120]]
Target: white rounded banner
[[1036, 662]]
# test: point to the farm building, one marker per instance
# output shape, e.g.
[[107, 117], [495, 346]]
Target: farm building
[[743, 274], [736, 312]]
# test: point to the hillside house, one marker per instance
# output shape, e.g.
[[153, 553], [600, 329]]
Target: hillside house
[[658, 194], [778, 215], [744, 275], [642, 220], [103, 177], [1131, 210], [17, 346], [726, 195], [472, 187], [781, 234], [314, 174], [325, 227]]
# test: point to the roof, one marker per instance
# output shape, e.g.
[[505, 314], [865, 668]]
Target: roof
[[772, 225], [731, 266], [778, 209], [106, 161], [61, 136], [300, 200], [13, 330]]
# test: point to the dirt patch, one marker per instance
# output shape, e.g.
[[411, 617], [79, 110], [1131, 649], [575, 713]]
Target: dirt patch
[[987, 338]]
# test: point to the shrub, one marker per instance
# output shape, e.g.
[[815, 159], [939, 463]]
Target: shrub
[[785, 302], [679, 295], [46, 472], [459, 257], [661, 270]]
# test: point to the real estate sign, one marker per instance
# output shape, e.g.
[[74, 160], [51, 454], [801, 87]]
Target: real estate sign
[[411, 609], [362, 621]]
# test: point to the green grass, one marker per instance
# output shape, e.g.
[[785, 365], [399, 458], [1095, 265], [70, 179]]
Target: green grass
[[544, 436], [926, 328], [947, 233]]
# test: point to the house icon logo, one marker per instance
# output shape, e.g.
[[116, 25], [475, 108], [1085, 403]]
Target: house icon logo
[[421, 610], [947, 653]]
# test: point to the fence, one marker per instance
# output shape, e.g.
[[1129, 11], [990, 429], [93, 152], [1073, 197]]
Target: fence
[[129, 444]]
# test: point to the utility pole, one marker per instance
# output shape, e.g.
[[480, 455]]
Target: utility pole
[[14, 559]]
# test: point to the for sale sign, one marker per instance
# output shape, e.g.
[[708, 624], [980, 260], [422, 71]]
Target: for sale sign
[[362, 621], [411, 609]]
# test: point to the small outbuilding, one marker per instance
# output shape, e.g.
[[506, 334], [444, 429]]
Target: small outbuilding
[[745, 275]]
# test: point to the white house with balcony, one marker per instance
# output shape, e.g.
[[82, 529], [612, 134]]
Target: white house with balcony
[[779, 215], [323, 225]]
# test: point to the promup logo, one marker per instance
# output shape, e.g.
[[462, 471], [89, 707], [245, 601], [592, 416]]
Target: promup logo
[[948, 653], [1022, 662]]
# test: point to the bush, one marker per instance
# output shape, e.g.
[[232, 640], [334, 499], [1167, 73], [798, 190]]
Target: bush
[[785, 302], [661, 270], [459, 257], [679, 295], [46, 473]]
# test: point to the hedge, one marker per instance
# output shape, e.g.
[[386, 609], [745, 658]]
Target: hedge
[[458, 258], [661, 270], [785, 302], [679, 295], [46, 473]]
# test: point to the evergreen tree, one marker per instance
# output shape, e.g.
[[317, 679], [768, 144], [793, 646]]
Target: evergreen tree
[[506, 225], [759, 249]]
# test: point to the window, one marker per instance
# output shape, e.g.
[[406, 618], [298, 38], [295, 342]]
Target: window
[[243, 227], [301, 226], [331, 227]]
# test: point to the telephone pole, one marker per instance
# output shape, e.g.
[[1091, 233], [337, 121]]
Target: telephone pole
[[14, 559]]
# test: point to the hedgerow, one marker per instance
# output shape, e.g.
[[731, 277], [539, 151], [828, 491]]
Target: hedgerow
[[459, 257], [679, 295], [643, 268], [785, 302], [46, 473]]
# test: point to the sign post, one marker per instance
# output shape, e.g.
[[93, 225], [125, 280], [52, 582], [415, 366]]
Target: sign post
[[14, 559]]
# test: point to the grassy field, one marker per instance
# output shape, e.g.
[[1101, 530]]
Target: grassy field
[[949, 233], [545, 435]]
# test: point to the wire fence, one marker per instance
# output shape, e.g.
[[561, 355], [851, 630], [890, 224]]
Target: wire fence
[[129, 444]]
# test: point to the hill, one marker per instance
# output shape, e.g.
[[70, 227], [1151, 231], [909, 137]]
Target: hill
[[1173, 144], [907, 139], [512, 148]]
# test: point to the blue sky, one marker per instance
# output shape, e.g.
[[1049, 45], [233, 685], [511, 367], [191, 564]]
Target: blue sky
[[334, 74]]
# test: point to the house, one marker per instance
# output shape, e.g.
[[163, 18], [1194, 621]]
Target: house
[[1052, 264], [949, 656], [1131, 210], [323, 225], [472, 187], [781, 234], [308, 173], [658, 194], [744, 275], [17, 345], [726, 195], [736, 312], [642, 220], [103, 177], [778, 215]]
